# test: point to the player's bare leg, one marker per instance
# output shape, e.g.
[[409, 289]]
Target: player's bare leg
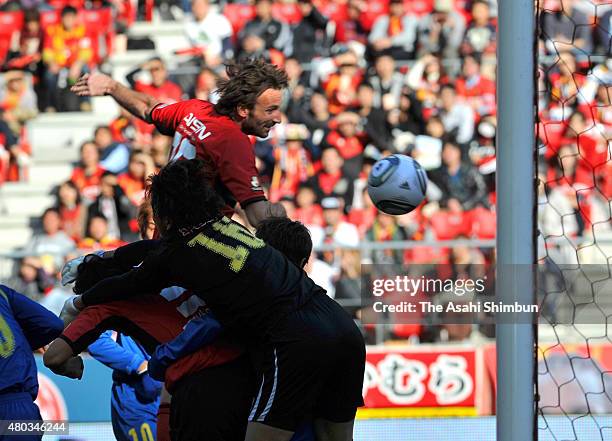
[[262, 432], [328, 431]]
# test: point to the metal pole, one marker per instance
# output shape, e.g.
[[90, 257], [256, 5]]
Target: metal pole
[[515, 227]]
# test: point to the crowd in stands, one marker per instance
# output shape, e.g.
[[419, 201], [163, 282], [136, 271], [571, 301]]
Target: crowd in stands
[[366, 79]]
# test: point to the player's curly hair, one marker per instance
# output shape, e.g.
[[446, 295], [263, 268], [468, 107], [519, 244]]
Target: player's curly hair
[[289, 237], [182, 196], [245, 81]]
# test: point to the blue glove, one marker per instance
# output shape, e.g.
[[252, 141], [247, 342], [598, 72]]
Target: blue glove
[[157, 369], [147, 389]]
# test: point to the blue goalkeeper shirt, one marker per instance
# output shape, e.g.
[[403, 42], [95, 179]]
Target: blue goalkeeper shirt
[[24, 327]]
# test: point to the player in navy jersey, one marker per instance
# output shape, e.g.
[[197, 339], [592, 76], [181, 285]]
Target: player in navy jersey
[[312, 354], [249, 104], [24, 327]]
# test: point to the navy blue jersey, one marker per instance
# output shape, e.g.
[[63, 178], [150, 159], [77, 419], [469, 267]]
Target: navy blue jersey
[[248, 285], [24, 327]]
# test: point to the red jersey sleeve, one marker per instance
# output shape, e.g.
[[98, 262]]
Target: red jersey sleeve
[[167, 117], [237, 171], [86, 328]]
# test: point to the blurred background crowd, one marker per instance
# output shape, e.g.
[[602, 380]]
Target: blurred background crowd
[[366, 79]]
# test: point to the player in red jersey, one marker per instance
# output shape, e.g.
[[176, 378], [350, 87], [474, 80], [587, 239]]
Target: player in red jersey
[[249, 104]]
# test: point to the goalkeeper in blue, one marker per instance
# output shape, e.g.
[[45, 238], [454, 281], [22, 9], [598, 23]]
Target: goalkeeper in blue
[[24, 327]]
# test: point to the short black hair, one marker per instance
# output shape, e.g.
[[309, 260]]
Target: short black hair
[[68, 10], [181, 194], [289, 237]]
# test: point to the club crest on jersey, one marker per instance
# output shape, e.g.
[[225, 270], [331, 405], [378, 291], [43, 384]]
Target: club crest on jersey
[[255, 184], [198, 127]]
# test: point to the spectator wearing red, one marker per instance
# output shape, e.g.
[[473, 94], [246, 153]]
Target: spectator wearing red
[[363, 217], [330, 181], [481, 34], [72, 213], [346, 139], [307, 210], [88, 174], [292, 163], [341, 86], [134, 181], [351, 29], [478, 90], [26, 54], [160, 86], [394, 34], [97, 237], [66, 54]]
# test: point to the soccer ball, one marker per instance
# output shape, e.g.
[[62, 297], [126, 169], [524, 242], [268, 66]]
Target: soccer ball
[[397, 184]]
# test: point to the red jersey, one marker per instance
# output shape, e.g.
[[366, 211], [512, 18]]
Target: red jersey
[[151, 320], [200, 132]]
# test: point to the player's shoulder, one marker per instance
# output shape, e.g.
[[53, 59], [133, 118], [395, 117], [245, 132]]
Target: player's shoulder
[[6, 292]]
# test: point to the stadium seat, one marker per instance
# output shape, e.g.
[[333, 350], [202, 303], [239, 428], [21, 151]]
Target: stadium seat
[[483, 223], [448, 226], [238, 15], [373, 10], [10, 22], [287, 12], [418, 7], [336, 12]]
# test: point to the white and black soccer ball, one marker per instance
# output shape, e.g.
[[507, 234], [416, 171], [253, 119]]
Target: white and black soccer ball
[[397, 184]]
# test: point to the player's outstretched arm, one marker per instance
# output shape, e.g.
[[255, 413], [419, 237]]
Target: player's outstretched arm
[[97, 84]]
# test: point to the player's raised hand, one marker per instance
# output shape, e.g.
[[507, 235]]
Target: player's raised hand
[[69, 311], [95, 84]]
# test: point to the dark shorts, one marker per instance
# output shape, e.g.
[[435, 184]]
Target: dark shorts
[[18, 406], [312, 367], [212, 404]]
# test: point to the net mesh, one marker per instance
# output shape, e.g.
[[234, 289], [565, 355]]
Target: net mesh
[[574, 222]]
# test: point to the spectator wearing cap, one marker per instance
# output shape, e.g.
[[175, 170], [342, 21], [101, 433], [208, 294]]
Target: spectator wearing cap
[[441, 32], [337, 230], [330, 180], [373, 119], [52, 241], [66, 54], [567, 27], [88, 173], [307, 210], [309, 38], [394, 34], [210, 31], [18, 99], [97, 236], [347, 140], [341, 86], [386, 82], [475, 88], [292, 164], [462, 187], [272, 33], [481, 34], [458, 117], [160, 86], [114, 156]]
